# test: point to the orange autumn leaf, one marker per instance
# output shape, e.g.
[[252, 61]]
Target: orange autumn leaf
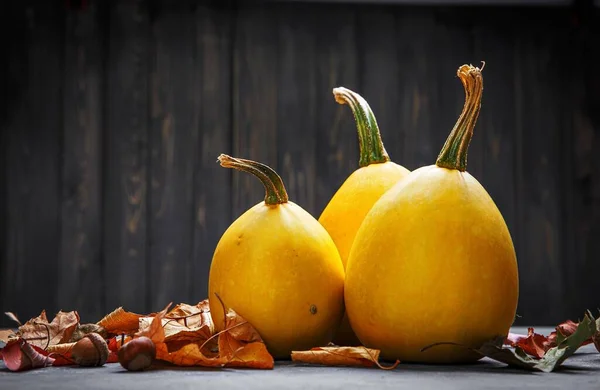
[[188, 355], [185, 323], [41, 333], [6, 334], [121, 321], [242, 344], [61, 353], [341, 356]]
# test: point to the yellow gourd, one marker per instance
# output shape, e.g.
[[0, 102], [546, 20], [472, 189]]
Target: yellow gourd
[[376, 174], [433, 260], [279, 269]]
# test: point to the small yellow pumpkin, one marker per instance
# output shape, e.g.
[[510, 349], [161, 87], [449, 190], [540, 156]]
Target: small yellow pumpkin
[[349, 205], [279, 269], [433, 260]]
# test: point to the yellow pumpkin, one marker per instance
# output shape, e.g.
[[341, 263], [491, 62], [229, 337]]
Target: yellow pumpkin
[[433, 261], [349, 205], [279, 269]]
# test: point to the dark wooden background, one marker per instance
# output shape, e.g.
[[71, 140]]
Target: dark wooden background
[[114, 114]]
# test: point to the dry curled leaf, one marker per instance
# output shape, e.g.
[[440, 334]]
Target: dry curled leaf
[[120, 321], [19, 355], [6, 334], [184, 324], [188, 355], [41, 333], [552, 359], [533, 343], [242, 344], [341, 356]]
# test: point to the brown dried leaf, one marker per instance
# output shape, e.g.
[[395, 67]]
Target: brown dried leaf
[[241, 344], [185, 324], [120, 321], [39, 332], [341, 356], [6, 334], [188, 355], [533, 344]]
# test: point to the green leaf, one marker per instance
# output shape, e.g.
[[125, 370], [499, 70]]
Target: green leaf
[[553, 358]]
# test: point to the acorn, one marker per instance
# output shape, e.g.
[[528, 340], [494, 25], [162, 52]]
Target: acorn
[[90, 351], [137, 354]]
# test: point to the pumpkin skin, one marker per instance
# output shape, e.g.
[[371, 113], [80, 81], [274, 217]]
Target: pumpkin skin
[[350, 204], [433, 262], [279, 269]]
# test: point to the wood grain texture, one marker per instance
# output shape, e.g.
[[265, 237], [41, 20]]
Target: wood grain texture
[[126, 158], [493, 153], [80, 263], [173, 98], [212, 210], [419, 93], [378, 61], [538, 172], [29, 274], [580, 167], [336, 139], [254, 89], [297, 105]]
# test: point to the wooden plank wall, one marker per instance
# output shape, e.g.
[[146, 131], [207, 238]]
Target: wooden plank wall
[[116, 111]]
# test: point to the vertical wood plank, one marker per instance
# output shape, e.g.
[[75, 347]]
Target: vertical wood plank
[[33, 126], [80, 262], [296, 105], [337, 58], [418, 99], [537, 69], [495, 129], [453, 46], [212, 184], [254, 99], [173, 127], [580, 143], [378, 61], [126, 158]]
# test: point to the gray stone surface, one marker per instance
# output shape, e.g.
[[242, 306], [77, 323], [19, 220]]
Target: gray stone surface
[[581, 371]]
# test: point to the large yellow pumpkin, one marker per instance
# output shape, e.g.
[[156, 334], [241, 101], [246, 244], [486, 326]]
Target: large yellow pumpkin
[[352, 201], [433, 260], [279, 269]]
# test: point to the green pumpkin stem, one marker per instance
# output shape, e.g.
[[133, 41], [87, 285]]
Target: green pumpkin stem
[[369, 138], [454, 152], [275, 192]]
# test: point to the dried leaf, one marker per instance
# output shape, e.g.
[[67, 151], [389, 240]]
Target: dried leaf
[[61, 353], [13, 317], [184, 324], [19, 355], [241, 344], [6, 334], [188, 355], [552, 359], [533, 344], [85, 329], [120, 321], [39, 332], [341, 356]]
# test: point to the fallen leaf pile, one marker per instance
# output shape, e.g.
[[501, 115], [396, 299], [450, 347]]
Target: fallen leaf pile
[[185, 336]]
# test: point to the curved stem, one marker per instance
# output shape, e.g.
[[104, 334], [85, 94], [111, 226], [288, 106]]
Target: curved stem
[[275, 192], [454, 153], [369, 138]]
